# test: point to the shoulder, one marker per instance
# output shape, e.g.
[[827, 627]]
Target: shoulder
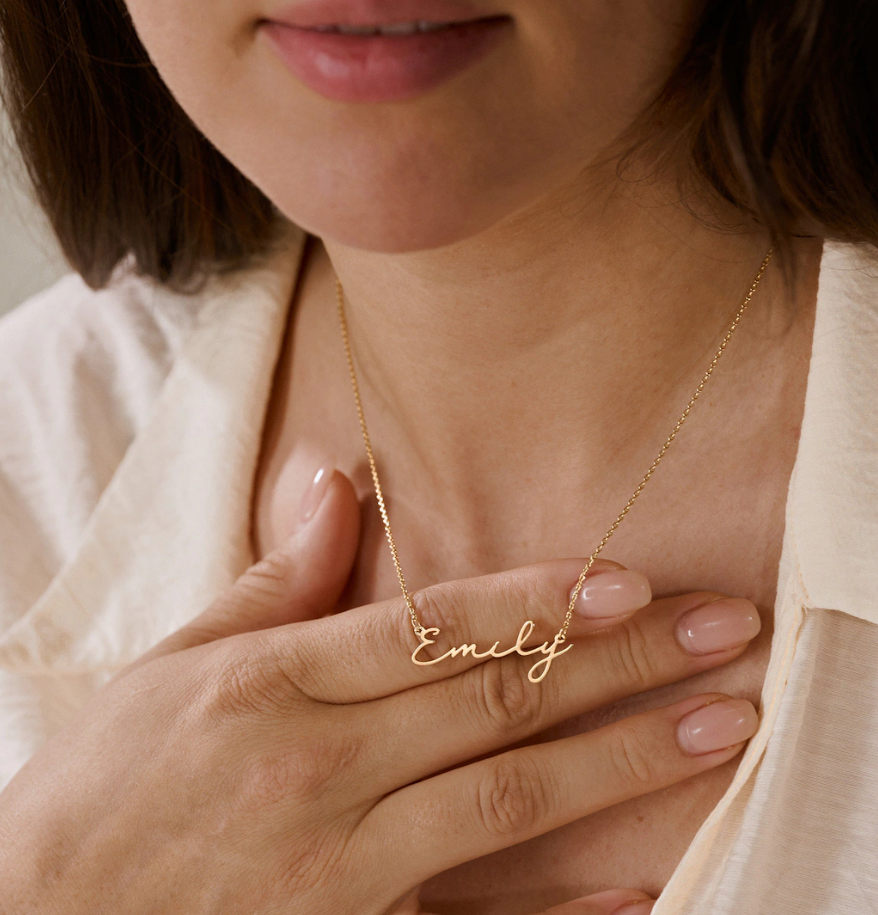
[[79, 372], [128, 331], [136, 376], [849, 281]]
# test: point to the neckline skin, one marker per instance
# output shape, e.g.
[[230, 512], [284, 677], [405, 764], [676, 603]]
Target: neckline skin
[[506, 376]]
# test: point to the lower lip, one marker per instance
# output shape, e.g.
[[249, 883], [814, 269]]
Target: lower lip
[[382, 68]]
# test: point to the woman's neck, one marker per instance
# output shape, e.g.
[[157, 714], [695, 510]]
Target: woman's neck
[[510, 373], [551, 337]]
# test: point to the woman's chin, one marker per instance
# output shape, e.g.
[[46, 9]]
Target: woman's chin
[[389, 231]]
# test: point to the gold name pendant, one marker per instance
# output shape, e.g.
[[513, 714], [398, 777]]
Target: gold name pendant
[[551, 650]]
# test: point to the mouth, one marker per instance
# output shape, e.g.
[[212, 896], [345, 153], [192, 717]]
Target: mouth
[[390, 28], [374, 51]]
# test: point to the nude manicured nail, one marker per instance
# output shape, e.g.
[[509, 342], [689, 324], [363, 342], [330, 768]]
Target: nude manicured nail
[[316, 491], [640, 907], [717, 725], [615, 593], [722, 624]]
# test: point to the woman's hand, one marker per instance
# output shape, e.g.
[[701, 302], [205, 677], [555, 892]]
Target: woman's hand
[[249, 764]]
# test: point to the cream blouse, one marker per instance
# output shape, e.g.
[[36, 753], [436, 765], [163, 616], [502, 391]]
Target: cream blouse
[[130, 424]]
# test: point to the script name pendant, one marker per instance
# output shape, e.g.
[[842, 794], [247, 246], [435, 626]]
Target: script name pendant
[[551, 650]]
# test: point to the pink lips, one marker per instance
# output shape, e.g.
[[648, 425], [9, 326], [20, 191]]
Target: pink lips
[[380, 68]]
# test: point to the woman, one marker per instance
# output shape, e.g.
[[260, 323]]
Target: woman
[[540, 227]]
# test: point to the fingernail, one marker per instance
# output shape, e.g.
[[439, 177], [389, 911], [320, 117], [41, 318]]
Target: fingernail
[[637, 907], [314, 494], [717, 725], [613, 593], [725, 623]]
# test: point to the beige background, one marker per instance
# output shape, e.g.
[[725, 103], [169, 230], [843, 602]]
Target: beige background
[[29, 256]]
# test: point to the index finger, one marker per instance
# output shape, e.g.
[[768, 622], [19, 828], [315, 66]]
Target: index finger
[[368, 652]]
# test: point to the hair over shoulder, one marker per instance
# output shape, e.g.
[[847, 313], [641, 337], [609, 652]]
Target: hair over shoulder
[[775, 101]]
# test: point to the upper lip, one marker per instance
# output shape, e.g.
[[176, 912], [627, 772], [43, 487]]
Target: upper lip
[[310, 13]]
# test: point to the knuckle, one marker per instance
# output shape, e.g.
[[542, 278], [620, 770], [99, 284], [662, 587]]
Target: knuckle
[[513, 797], [506, 701], [243, 686], [231, 694], [307, 664], [436, 607], [268, 578], [632, 654], [300, 772], [271, 778], [518, 595], [536, 597], [632, 758]]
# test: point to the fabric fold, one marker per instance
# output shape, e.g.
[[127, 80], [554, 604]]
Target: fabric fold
[[187, 477]]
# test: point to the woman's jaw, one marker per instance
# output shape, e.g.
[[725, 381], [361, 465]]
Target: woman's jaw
[[551, 96]]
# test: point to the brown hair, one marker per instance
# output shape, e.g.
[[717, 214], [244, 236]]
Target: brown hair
[[775, 100]]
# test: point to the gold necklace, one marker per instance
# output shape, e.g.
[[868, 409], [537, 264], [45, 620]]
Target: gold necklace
[[548, 650]]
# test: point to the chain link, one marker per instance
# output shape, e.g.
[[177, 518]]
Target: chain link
[[562, 633]]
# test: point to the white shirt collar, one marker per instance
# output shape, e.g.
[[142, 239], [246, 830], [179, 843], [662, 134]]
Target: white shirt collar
[[187, 479], [833, 502]]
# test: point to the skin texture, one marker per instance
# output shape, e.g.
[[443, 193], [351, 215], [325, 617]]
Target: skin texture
[[528, 327]]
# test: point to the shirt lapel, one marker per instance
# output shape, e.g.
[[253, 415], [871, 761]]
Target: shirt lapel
[[834, 496], [172, 529]]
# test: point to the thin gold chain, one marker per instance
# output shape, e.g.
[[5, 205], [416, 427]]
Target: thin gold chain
[[416, 623]]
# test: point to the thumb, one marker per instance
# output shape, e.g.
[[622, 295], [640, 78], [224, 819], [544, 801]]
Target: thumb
[[301, 579]]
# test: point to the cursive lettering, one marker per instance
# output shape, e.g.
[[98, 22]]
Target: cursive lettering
[[551, 650]]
